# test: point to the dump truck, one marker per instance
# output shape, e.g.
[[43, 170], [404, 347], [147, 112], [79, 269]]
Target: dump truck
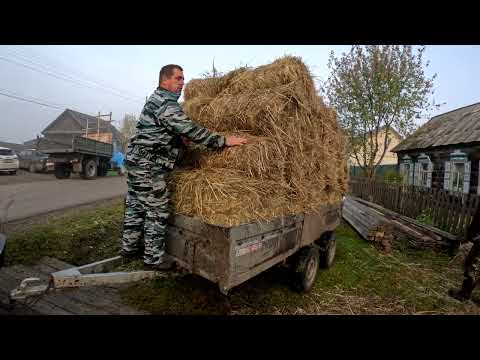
[[87, 157], [226, 255]]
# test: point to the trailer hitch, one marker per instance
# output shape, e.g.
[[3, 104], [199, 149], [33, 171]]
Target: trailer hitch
[[28, 288], [94, 274]]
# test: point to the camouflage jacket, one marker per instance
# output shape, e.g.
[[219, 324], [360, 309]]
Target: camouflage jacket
[[160, 129]]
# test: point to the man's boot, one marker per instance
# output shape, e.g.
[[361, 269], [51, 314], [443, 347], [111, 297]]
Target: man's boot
[[167, 264], [465, 292]]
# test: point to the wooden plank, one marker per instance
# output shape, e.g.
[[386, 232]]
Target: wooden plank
[[396, 215]]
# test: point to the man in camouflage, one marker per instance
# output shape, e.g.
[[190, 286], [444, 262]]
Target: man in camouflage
[[472, 262], [152, 152]]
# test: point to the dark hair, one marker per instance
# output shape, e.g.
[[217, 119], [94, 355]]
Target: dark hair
[[166, 72]]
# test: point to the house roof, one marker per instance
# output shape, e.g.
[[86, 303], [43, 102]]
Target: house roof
[[83, 120], [460, 126]]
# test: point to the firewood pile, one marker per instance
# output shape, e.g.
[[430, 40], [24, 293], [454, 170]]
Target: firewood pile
[[385, 228]]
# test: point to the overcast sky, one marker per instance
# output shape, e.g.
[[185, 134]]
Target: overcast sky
[[117, 79]]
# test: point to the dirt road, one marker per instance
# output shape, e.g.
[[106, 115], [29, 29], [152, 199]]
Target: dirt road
[[35, 197]]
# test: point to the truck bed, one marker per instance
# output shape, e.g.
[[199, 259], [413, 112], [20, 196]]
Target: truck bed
[[229, 256], [78, 145]]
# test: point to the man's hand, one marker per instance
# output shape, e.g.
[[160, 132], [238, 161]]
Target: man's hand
[[234, 141]]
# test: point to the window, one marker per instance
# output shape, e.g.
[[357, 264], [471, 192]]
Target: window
[[406, 169], [423, 171], [457, 172], [458, 176], [405, 172], [423, 178]]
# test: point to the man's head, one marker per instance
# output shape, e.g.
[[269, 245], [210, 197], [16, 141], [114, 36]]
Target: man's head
[[171, 78]]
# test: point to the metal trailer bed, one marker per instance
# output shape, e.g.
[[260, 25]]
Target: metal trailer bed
[[227, 256]]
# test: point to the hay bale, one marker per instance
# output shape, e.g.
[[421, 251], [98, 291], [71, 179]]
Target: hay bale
[[260, 158], [194, 107], [210, 86], [226, 197], [253, 111], [294, 161], [288, 70]]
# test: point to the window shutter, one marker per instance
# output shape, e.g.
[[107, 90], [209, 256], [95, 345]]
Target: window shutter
[[446, 176], [429, 175], [410, 174], [466, 178], [417, 180]]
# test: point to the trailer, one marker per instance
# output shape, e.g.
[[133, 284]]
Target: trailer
[[87, 157], [227, 256]]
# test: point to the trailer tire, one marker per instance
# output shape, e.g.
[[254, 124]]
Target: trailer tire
[[61, 172], [305, 269], [90, 170], [328, 248]]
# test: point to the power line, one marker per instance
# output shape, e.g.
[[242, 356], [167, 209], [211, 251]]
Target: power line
[[89, 79], [33, 98], [31, 101], [61, 77], [45, 103]]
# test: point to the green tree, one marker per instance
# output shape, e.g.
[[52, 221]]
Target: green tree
[[374, 88]]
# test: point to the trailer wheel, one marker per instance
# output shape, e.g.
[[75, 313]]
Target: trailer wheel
[[328, 248], [90, 170], [61, 172], [305, 269]]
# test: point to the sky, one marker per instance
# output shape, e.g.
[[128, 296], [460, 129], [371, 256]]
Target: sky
[[117, 79]]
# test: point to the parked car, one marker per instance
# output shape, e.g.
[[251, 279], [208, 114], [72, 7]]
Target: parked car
[[33, 160], [8, 161]]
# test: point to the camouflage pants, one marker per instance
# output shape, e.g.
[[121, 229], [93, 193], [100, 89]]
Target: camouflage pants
[[146, 210], [472, 262]]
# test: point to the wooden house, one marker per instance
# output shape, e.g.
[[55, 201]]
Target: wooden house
[[444, 153], [73, 123]]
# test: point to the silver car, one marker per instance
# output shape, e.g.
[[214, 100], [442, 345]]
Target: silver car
[[8, 161]]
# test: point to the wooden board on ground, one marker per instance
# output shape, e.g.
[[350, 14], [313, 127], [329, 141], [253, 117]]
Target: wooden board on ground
[[382, 226], [92, 300]]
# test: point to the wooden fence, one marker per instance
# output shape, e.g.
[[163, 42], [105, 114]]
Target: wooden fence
[[446, 210]]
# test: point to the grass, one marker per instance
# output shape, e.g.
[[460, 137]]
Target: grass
[[78, 239], [361, 281]]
